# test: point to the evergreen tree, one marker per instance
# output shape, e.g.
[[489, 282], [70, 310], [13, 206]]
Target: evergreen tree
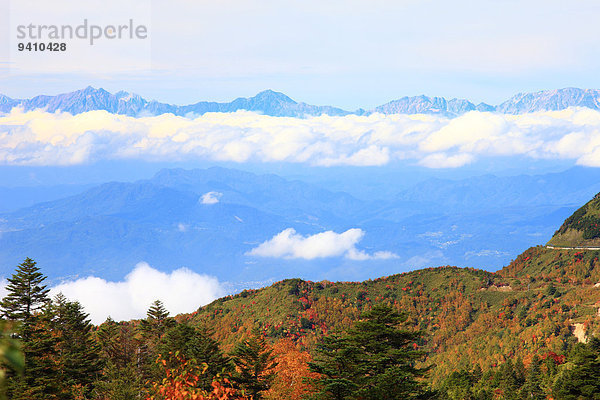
[[254, 362], [383, 360], [26, 293], [157, 311], [156, 323], [532, 389], [27, 303], [194, 344], [508, 381], [41, 379], [122, 377], [337, 360], [78, 352], [581, 377], [457, 386]]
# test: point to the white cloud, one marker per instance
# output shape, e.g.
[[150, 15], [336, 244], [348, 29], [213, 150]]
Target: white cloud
[[211, 198], [181, 227], [180, 291], [443, 160], [289, 244], [3, 291], [41, 138]]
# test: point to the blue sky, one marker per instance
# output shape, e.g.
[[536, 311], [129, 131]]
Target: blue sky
[[345, 53]]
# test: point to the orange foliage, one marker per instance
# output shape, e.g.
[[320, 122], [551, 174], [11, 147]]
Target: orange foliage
[[181, 383], [292, 372]]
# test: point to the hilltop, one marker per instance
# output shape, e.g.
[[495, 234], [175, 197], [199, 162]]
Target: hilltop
[[542, 303], [582, 229], [470, 317]]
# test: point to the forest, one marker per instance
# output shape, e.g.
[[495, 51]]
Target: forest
[[437, 333]]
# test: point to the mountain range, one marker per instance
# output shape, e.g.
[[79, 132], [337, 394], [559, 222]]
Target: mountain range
[[106, 229], [278, 104]]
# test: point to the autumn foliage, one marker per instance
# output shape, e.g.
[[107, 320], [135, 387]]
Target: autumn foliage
[[181, 383]]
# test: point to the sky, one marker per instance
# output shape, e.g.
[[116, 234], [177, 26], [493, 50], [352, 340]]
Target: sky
[[351, 53], [345, 53]]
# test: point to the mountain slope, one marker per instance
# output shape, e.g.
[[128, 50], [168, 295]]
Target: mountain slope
[[469, 316], [582, 229], [541, 304]]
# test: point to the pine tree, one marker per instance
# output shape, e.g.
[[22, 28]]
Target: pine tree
[[78, 352], [194, 344], [508, 381], [582, 379], [377, 359], [255, 363], [337, 361], [156, 323], [27, 302], [41, 379], [532, 389], [26, 294], [157, 311], [122, 377]]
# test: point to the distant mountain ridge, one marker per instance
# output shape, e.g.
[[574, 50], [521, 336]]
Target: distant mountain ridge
[[277, 104], [105, 229]]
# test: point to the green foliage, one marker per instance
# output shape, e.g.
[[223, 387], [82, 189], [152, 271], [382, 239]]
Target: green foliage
[[582, 225], [196, 344], [12, 359], [374, 360], [26, 293], [580, 376], [41, 379], [337, 360], [125, 363], [254, 363], [78, 352], [156, 323]]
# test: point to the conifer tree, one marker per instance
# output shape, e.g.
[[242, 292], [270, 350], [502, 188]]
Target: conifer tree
[[27, 302], [192, 343], [41, 379], [78, 352], [532, 389], [582, 378], [157, 311], [26, 293], [376, 358], [156, 323], [337, 361], [254, 362], [508, 381], [122, 374]]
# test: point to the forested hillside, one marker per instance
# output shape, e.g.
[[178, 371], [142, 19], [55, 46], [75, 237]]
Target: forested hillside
[[528, 331]]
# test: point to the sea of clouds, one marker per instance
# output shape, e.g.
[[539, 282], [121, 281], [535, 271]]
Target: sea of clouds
[[42, 138]]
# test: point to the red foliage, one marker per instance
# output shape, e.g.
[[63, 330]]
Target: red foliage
[[557, 358], [180, 383]]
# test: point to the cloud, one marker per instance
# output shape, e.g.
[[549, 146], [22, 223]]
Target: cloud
[[41, 138], [211, 198], [181, 227], [180, 291], [3, 291], [289, 244]]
